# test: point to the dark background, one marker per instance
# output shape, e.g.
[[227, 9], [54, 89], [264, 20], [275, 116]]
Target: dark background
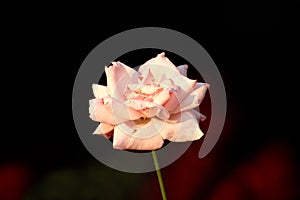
[[41, 155]]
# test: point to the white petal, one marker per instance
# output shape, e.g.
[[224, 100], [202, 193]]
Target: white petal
[[99, 91]]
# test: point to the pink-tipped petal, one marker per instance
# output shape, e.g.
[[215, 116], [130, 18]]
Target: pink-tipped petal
[[119, 76], [99, 91], [111, 111], [104, 130], [185, 128]]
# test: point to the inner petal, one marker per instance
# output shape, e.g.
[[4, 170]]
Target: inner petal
[[148, 109], [142, 122]]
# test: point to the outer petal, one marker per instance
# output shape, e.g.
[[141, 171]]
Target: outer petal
[[125, 141], [193, 99], [185, 129], [160, 59], [111, 111], [105, 130], [198, 115], [183, 69], [181, 84], [119, 76], [99, 91]]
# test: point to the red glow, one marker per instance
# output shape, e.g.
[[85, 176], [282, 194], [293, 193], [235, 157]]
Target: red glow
[[269, 174], [14, 180]]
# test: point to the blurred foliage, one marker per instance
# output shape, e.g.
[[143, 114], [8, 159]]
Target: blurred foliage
[[92, 181]]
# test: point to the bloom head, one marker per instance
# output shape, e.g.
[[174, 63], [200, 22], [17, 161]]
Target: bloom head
[[141, 109]]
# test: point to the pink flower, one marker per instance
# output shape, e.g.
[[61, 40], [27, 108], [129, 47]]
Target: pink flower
[[142, 108]]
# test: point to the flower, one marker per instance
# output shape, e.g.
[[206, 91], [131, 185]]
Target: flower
[[141, 109]]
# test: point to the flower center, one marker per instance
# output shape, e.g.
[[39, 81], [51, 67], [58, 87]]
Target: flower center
[[141, 121]]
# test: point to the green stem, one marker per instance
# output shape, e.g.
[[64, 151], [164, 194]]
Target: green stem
[[160, 180]]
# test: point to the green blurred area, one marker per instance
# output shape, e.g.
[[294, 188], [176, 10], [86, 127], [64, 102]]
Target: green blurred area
[[88, 182]]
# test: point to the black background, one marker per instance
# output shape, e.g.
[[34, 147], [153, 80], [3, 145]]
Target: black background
[[45, 45]]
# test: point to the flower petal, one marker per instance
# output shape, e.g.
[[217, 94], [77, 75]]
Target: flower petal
[[119, 76], [111, 111], [174, 100], [163, 69], [183, 69], [160, 59], [198, 115], [185, 129], [148, 109], [105, 130], [177, 95], [184, 83], [99, 91], [167, 83], [146, 76], [142, 128], [162, 97], [124, 141], [158, 67], [161, 66], [193, 99], [144, 89]]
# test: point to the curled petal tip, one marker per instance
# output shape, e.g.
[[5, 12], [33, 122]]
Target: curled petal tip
[[162, 54]]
